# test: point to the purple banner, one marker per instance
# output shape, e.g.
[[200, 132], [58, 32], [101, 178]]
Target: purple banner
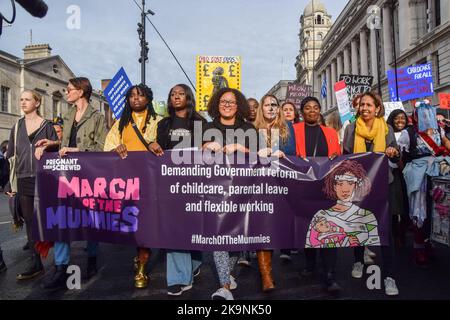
[[163, 202]]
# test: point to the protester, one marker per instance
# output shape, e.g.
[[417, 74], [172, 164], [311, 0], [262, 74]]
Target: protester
[[443, 123], [428, 156], [398, 200], [253, 106], [279, 141], [229, 109], [370, 133], [23, 147], [84, 131], [315, 140], [290, 112], [58, 124], [136, 131], [177, 132]]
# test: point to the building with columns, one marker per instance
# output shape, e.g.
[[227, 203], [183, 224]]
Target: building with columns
[[40, 71], [315, 22], [412, 31]]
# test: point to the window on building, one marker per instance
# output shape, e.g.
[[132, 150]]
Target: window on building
[[437, 12], [55, 108], [4, 96], [319, 19], [396, 30], [437, 71]]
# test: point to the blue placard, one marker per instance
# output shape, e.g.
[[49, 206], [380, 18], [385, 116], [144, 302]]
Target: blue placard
[[413, 82], [115, 92]]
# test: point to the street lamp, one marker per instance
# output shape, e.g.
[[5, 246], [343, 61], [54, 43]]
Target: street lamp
[[143, 43]]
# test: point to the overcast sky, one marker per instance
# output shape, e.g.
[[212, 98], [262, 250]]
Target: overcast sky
[[263, 32]]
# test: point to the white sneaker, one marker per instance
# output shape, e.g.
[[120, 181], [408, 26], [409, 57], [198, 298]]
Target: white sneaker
[[367, 258], [370, 252], [286, 257], [390, 288], [222, 294], [243, 262], [233, 284], [357, 270]]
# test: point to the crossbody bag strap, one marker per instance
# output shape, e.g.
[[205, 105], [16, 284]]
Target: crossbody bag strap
[[138, 133]]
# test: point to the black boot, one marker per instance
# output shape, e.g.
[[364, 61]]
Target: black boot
[[26, 246], [330, 283], [91, 267], [34, 269], [58, 280], [2, 263]]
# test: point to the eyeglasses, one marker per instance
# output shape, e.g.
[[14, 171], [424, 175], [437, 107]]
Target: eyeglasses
[[227, 102]]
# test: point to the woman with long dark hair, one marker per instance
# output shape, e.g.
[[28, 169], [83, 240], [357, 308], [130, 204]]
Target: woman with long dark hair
[[136, 131], [371, 133], [178, 131]]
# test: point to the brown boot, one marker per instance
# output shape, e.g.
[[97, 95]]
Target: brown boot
[[265, 268]]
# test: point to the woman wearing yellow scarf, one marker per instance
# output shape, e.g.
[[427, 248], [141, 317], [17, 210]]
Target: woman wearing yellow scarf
[[371, 133]]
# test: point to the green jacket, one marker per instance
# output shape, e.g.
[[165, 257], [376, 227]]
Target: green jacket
[[91, 132]]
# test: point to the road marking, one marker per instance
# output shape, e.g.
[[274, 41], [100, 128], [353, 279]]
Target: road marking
[[5, 222]]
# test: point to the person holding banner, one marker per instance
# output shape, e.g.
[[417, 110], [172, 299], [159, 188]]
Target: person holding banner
[[83, 131], [290, 112], [371, 133], [229, 108], [136, 131], [177, 131], [429, 151], [279, 140], [315, 140], [23, 147]]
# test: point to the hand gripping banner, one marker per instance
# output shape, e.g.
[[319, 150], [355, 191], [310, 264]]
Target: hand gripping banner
[[158, 202]]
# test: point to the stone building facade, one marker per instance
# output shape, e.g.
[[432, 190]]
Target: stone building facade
[[418, 30], [42, 72]]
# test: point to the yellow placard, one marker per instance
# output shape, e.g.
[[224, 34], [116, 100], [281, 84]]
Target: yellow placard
[[213, 73]]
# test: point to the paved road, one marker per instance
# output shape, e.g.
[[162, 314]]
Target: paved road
[[115, 280]]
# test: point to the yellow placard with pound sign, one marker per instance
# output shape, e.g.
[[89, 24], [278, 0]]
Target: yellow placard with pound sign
[[214, 73]]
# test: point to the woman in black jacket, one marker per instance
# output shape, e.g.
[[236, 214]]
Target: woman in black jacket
[[178, 131]]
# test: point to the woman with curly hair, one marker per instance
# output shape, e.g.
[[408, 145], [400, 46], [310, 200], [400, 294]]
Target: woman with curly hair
[[228, 133]]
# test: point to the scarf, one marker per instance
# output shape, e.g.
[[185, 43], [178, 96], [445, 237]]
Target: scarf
[[432, 146], [377, 135]]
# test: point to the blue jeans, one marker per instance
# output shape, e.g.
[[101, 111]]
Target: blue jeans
[[62, 252], [181, 265]]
